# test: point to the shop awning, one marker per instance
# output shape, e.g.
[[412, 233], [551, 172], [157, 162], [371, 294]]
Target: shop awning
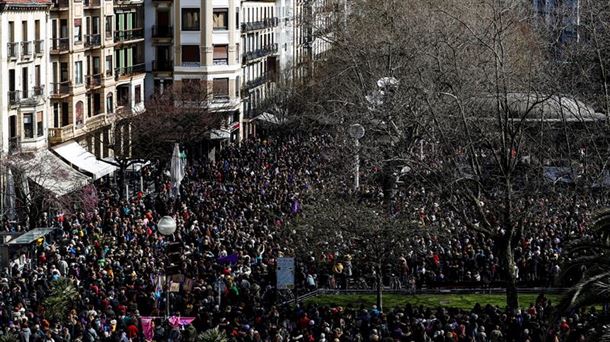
[[268, 118], [50, 172], [218, 134], [31, 236], [76, 155]]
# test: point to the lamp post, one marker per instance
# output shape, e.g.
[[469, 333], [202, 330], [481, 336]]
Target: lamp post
[[356, 131], [166, 227]]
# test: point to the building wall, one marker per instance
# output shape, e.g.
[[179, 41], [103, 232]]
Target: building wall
[[24, 109]]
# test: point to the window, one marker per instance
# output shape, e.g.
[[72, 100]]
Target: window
[[190, 19], [24, 30], [109, 104], [108, 66], [138, 94], [28, 125], [24, 83], [39, 124], [11, 31], [108, 27], [37, 29], [78, 72], [221, 87], [78, 35], [80, 113], [221, 54], [190, 54], [221, 19]]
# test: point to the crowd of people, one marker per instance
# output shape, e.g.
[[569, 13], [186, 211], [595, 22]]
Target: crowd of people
[[231, 216]]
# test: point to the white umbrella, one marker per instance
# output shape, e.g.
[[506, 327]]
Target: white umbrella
[[177, 168]]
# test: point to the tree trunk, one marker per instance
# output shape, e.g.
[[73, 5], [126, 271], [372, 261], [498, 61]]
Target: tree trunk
[[379, 289], [510, 276], [121, 182]]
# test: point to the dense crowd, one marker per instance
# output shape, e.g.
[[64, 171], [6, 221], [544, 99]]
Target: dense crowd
[[231, 217]]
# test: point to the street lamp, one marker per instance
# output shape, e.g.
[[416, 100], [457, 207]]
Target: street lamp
[[166, 227], [356, 131]]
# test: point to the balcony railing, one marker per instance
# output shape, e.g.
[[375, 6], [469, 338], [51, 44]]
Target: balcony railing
[[14, 97], [13, 50], [91, 3], [38, 90], [60, 44], [61, 88], [94, 80], [221, 61], [265, 51], [92, 40], [14, 145], [127, 35], [260, 25], [162, 31], [163, 65], [130, 70], [61, 134], [39, 47], [262, 79], [26, 50], [60, 4]]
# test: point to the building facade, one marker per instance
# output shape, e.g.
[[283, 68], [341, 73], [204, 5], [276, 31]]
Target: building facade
[[24, 65], [96, 70], [260, 61]]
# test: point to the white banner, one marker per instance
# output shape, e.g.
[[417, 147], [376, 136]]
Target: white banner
[[285, 273]]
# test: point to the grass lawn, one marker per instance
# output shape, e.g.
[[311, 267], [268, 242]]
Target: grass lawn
[[459, 301]]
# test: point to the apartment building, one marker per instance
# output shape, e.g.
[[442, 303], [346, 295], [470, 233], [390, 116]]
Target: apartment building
[[23, 63], [195, 43], [96, 73], [260, 61]]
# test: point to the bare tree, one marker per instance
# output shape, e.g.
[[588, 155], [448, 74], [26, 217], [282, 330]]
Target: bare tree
[[462, 97]]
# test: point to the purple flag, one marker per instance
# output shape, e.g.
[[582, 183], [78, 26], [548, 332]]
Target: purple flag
[[229, 259], [296, 206]]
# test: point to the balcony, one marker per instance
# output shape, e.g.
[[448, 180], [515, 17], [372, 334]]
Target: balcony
[[38, 90], [60, 45], [93, 40], [162, 31], [128, 35], [93, 81], [39, 47], [13, 50], [260, 53], [59, 135], [162, 65], [61, 89], [260, 25], [17, 98], [60, 5], [262, 79], [26, 50], [91, 4], [126, 3], [97, 121], [129, 70], [14, 97], [14, 145]]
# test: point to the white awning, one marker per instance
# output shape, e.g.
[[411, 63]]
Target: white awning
[[269, 118], [218, 134], [76, 155], [50, 172]]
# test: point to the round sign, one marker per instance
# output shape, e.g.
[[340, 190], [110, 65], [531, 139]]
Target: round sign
[[166, 225], [356, 131]]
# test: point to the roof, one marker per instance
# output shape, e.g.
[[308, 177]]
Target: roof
[[30, 236], [24, 3], [540, 107]]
